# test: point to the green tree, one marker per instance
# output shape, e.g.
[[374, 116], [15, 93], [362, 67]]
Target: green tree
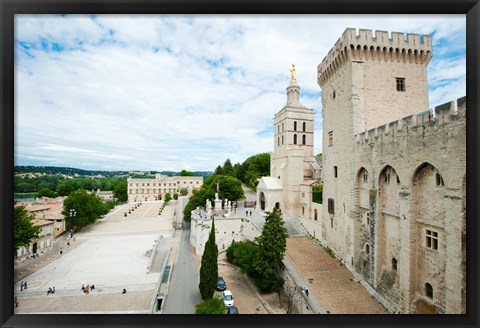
[[228, 168], [46, 192], [168, 197], [210, 306], [184, 173], [175, 196], [184, 192], [209, 268], [23, 229], [219, 170], [64, 189], [88, 207], [253, 168], [120, 191], [272, 244]]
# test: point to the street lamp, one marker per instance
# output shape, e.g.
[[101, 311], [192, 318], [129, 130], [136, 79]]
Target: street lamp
[[73, 213]]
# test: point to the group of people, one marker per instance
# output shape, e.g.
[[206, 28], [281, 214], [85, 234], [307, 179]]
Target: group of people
[[86, 289], [51, 290], [23, 285], [248, 213]]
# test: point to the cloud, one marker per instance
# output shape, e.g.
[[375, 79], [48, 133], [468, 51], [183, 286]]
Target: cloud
[[179, 92]]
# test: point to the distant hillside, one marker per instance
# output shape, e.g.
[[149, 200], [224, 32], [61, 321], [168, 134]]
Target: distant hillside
[[73, 171]]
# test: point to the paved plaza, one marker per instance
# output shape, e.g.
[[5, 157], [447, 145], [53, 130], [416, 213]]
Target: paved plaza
[[114, 253]]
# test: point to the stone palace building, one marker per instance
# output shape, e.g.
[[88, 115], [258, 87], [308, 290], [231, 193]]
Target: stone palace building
[[145, 189], [393, 171]]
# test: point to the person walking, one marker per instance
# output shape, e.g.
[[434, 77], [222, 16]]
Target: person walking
[[21, 286], [53, 290], [16, 301], [49, 291], [25, 285], [124, 291]]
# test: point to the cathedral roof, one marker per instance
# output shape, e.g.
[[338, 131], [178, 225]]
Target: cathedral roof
[[269, 183]]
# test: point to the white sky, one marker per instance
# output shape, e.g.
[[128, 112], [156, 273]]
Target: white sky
[[173, 92]]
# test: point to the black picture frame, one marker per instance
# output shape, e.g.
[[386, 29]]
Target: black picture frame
[[9, 8]]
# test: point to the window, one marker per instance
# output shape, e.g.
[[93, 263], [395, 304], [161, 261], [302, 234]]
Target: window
[[283, 127], [278, 177], [439, 180], [335, 171], [398, 180], [303, 195], [400, 83], [278, 143], [295, 126], [333, 94], [367, 248], [429, 290], [431, 239], [304, 126], [130, 191], [394, 264], [315, 214], [148, 185], [387, 178], [331, 205], [365, 177], [278, 128], [330, 138], [294, 139], [368, 218], [282, 139], [303, 210], [304, 140]]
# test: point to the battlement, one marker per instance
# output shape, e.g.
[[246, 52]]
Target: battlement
[[444, 114], [413, 48]]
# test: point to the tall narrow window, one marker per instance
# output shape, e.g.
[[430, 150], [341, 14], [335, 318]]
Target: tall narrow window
[[294, 139], [335, 171], [330, 138], [400, 83], [282, 140], [295, 126], [331, 206], [431, 239], [304, 126], [304, 139], [278, 141], [394, 264], [283, 127], [367, 248], [429, 290], [278, 128]]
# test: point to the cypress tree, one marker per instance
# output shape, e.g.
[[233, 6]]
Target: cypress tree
[[209, 268]]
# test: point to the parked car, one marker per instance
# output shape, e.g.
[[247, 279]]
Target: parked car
[[232, 310], [221, 285], [227, 298]]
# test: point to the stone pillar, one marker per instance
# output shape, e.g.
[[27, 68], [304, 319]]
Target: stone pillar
[[408, 258]]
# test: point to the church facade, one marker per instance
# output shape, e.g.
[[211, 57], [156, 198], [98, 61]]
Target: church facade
[[393, 171]]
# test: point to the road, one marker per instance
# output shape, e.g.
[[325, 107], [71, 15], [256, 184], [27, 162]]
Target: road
[[183, 292]]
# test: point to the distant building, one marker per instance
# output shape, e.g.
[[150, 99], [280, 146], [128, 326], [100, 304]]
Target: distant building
[[145, 189]]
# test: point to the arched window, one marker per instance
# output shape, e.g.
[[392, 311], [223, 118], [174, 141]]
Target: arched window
[[295, 126], [367, 248], [394, 264], [315, 214], [282, 139], [304, 140], [279, 141], [304, 126], [294, 139], [279, 128], [429, 290]]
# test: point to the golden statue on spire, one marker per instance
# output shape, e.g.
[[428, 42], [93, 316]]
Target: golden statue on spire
[[294, 73]]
